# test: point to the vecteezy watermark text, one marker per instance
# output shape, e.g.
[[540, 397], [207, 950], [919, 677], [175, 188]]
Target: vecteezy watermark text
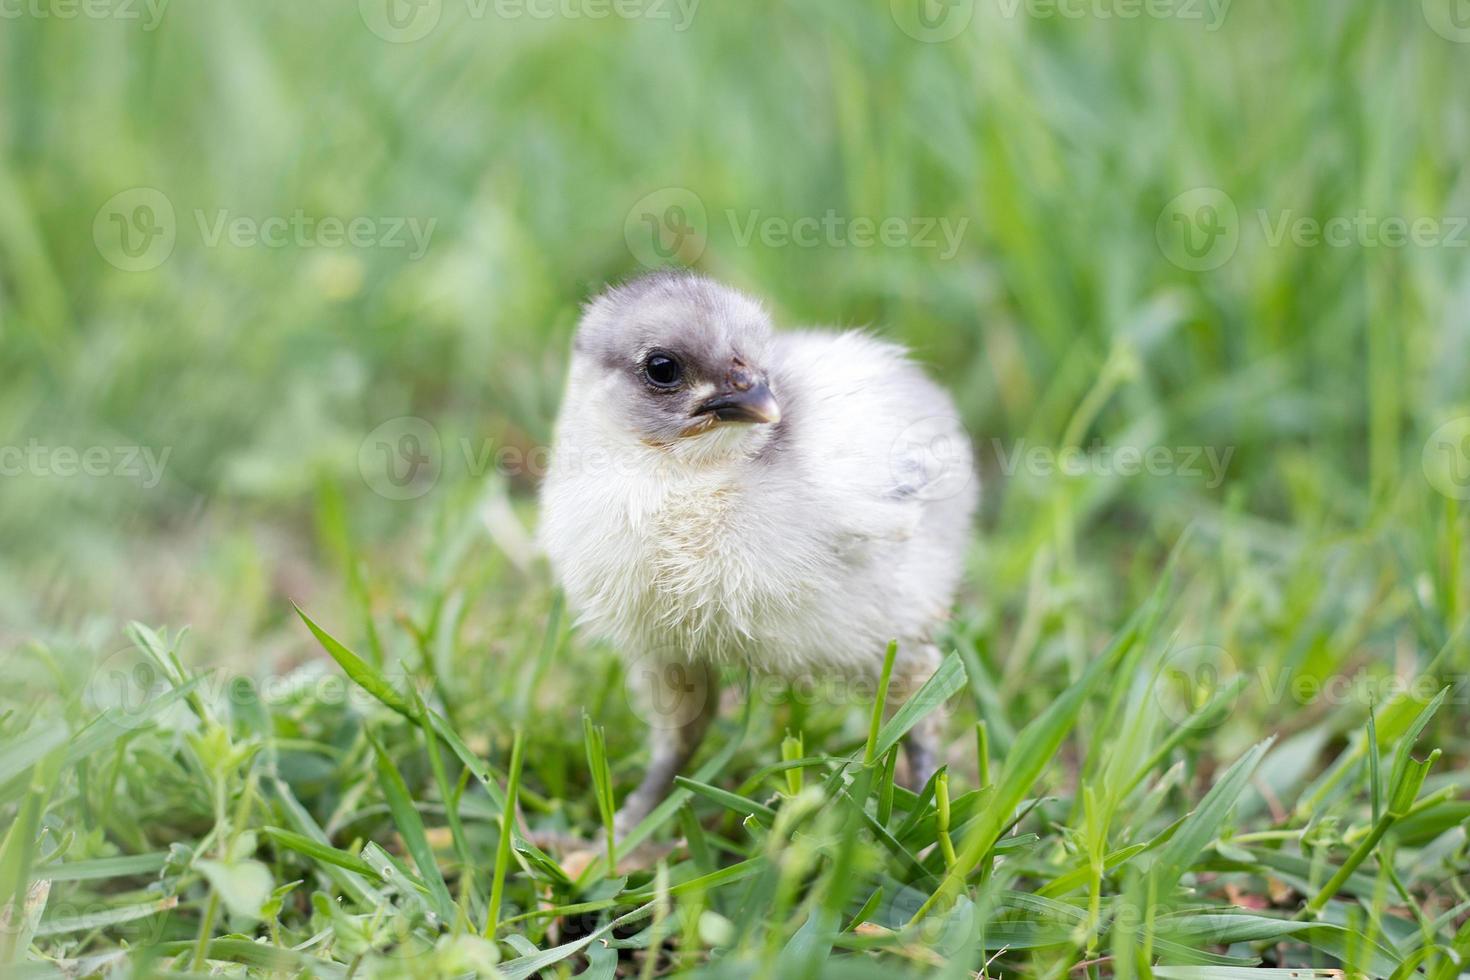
[[1100, 459], [1195, 677], [406, 21], [141, 463], [136, 230], [403, 458], [833, 230], [1363, 229], [672, 224], [302, 230], [1201, 229], [937, 21], [1211, 13], [149, 12]]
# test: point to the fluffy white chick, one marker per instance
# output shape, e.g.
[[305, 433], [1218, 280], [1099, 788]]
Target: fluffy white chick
[[724, 494]]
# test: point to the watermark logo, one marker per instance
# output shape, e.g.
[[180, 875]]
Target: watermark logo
[[128, 686], [1450, 19], [1199, 230], [1447, 459], [665, 691], [400, 21], [668, 226], [122, 684], [1191, 678], [948, 932], [932, 21], [136, 229], [401, 459], [931, 460]]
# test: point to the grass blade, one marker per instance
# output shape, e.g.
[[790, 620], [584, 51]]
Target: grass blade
[[943, 684], [1201, 826], [411, 828], [502, 849], [364, 674]]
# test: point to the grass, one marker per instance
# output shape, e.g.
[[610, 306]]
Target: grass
[[364, 834], [1201, 721]]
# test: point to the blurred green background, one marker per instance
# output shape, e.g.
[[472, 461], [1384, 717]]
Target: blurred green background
[[286, 291], [540, 146]]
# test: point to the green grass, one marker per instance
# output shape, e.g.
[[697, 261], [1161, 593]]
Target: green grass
[[1193, 720], [363, 833]]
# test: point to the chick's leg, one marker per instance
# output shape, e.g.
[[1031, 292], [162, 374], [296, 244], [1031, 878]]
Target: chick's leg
[[921, 746], [678, 700]]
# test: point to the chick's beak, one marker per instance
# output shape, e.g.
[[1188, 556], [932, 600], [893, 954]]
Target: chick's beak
[[742, 398]]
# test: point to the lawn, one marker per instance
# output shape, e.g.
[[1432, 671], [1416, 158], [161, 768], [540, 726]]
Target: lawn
[[286, 293]]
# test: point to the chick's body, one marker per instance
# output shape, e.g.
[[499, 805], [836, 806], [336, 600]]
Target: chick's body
[[789, 502]]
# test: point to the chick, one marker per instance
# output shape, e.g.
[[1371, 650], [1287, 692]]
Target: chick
[[723, 494]]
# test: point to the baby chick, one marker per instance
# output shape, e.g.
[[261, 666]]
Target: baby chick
[[720, 493]]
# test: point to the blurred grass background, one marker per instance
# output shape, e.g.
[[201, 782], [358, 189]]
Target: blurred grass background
[[1067, 317], [1059, 139], [529, 144]]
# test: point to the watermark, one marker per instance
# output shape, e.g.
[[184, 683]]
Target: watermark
[[1362, 229], [387, 934], [1450, 19], [1200, 230], [668, 692], [406, 21], [950, 931], [136, 230], [665, 691], [127, 685], [1191, 678], [1362, 689], [834, 230], [932, 21], [401, 21], [1446, 458], [303, 230], [672, 226], [668, 226], [401, 459], [931, 460], [141, 926], [1209, 463], [142, 463], [147, 12], [1210, 13], [936, 21], [662, 687]]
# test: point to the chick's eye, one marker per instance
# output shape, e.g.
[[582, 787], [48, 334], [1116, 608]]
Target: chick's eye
[[662, 371]]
